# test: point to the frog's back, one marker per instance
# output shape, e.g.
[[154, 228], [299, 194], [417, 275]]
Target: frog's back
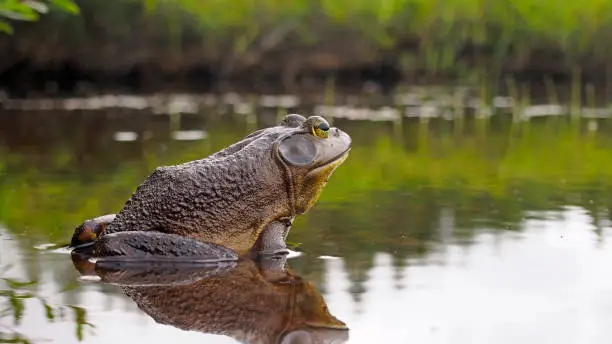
[[223, 198]]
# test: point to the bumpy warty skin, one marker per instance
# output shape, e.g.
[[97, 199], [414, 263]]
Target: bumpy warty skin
[[226, 198], [260, 183]]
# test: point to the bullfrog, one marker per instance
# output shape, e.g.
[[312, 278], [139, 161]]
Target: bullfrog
[[244, 197]]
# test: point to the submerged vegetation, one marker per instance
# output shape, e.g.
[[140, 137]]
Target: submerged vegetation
[[15, 295]]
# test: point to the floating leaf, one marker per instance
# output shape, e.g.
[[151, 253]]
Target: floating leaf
[[293, 245]]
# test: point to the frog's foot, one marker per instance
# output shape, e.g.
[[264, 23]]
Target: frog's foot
[[271, 241], [143, 246], [273, 267], [90, 230]]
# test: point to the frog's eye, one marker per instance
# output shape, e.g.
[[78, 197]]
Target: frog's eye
[[320, 128], [298, 150]]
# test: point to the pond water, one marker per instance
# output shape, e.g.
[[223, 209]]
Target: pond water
[[472, 230]]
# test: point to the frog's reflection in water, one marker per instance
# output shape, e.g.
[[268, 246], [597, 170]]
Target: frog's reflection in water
[[259, 301]]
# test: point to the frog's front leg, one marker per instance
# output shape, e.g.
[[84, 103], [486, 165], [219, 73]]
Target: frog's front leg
[[90, 230], [271, 241]]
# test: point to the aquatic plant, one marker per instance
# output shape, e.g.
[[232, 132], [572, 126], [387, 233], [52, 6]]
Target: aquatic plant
[[13, 296]]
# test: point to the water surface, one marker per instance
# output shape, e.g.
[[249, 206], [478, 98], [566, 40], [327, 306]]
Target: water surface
[[475, 230]]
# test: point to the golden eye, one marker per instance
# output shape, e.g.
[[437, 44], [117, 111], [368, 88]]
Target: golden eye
[[320, 129]]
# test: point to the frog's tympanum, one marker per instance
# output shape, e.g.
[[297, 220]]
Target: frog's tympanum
[[243, 197], [251, 301]]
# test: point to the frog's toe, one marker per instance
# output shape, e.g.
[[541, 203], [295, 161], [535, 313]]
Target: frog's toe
[[269, 252], [83, 234], [90, 230]]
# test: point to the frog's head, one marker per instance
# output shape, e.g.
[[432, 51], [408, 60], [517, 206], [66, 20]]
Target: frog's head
[[309, 152]]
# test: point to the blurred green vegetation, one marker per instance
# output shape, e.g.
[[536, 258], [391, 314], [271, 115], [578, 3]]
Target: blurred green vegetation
[[445, 32], [454, 37], [30, 10], [444, 29]]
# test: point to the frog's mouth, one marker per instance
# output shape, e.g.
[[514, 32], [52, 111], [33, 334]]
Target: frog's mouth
[[322, 173], [330, 166], [338, 159]]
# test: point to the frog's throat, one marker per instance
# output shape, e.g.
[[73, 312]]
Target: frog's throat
[[290, 188]]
